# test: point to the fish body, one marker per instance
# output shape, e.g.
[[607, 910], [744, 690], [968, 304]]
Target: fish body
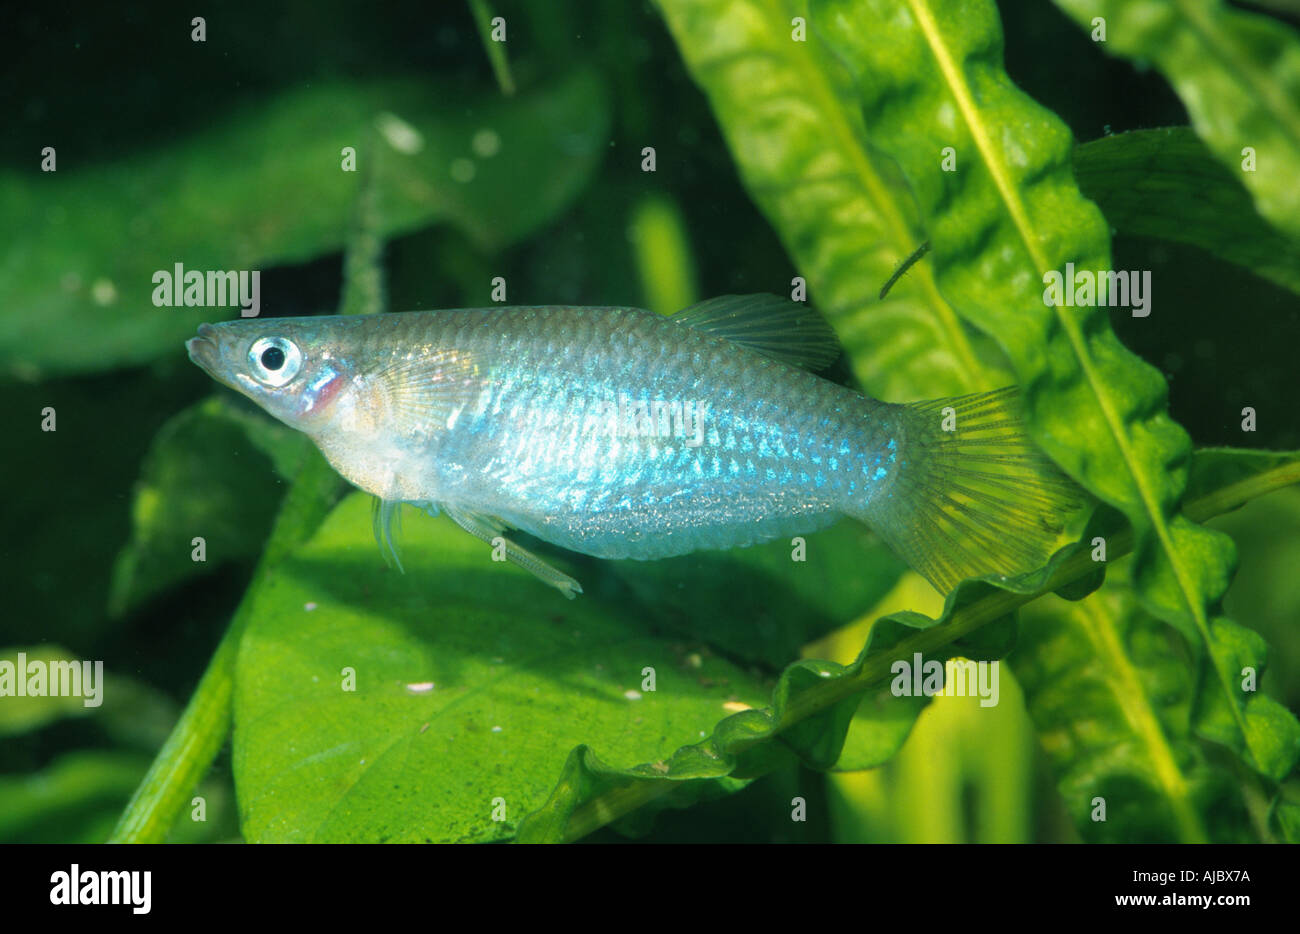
[[613, 432]]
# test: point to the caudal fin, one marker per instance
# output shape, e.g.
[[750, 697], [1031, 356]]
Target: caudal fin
[[973, 495]]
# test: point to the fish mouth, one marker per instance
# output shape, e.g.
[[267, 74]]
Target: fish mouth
[[203, 349]]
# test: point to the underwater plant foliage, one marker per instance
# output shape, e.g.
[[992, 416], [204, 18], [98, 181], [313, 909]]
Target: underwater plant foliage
[[308, 692]]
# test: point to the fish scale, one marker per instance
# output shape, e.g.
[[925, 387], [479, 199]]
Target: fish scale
[[538, 418], [535, 461]]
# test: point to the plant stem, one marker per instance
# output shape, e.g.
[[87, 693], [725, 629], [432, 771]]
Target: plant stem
[[203, 727], [496, 51], [206, 721]]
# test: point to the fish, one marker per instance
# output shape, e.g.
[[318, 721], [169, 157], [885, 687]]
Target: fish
[[621, 433]]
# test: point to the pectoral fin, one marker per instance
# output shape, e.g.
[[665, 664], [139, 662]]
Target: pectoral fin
[[385, 514], [492, 531]]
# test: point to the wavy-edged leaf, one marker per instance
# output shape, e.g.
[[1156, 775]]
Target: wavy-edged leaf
[[813, 701], [1114, 700], [1110, 697], [472, 682], [791, 120], [931, 76], [1238, 75], [1167, 185], [198, 481], [265, 186], [1266, 589], [810, 713]]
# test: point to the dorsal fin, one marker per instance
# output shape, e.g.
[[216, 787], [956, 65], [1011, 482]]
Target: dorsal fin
[[769, 324]]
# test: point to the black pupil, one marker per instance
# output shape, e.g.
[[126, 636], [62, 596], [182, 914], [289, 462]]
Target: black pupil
[[273, 358]]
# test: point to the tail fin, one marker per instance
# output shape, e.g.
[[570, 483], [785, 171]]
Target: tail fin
[[972, 494]]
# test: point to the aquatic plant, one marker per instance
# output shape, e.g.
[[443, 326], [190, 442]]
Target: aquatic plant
[[463, 701]]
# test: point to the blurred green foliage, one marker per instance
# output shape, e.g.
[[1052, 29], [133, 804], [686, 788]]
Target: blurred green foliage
[[226, 155]]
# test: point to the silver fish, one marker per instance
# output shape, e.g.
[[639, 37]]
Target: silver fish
[[621, 433]]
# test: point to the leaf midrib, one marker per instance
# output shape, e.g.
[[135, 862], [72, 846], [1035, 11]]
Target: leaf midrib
[[1016, 210], [826, 102], [1100, 628]]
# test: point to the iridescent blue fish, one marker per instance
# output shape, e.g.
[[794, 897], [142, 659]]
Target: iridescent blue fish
[[620, 433]]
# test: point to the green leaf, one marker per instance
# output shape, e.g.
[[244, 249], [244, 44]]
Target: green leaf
[[809, 716], [20, 714], [663, 255], [519, 676], [265, 187], [760, 605], [1167, 185], [1265, 590], [198, 480], [813, 701], [931, 77], [1285, 814], [794, 126], [1009, 208], [1110, 698], [1218, 469], [1238, 75], [1115, 703], [73, 800]]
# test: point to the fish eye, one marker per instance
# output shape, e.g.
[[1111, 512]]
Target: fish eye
[[274, 360]]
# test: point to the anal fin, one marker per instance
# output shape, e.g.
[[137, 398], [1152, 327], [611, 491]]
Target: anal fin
[[491, 530]]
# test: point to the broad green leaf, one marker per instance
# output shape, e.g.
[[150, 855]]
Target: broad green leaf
[[199, 480], [1167, 185], [760, 604], [472, 682], [265, 186], [794, 126], [808, 717], [930, 74], [1238, 75]]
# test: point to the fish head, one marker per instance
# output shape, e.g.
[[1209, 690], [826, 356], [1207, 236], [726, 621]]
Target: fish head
[[286, 366]]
